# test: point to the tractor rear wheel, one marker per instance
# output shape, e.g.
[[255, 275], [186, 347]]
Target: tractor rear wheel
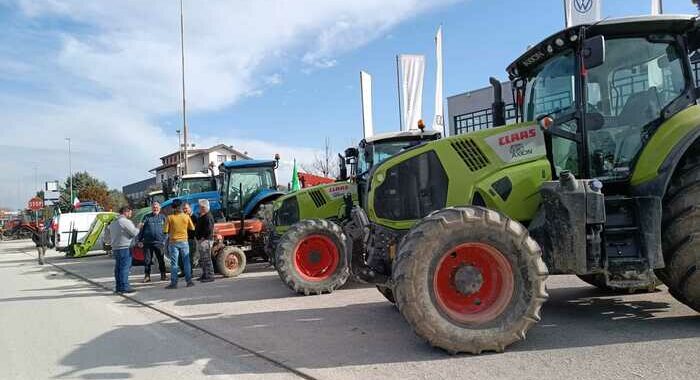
[[312, 257], [598, 280], [681, 234], [469, 279], [231, 261]]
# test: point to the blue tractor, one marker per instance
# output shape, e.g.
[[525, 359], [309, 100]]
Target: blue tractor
[[247, 188]]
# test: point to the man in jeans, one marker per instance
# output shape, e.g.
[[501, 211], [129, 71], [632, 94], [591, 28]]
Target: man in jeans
[[204, 233], [152, 238], [41, 239], [176, 226], [122, 231]]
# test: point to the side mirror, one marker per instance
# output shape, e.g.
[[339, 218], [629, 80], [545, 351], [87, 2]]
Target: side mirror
[[594, 52]]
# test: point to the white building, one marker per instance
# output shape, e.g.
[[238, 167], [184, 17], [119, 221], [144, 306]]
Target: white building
[[198, 160]]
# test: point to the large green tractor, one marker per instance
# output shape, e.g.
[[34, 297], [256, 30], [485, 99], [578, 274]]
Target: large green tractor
[[302, 268], [599, 176]]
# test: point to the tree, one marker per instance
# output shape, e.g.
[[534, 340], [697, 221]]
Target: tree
[[116, 200], [88, 188], [324, 164]]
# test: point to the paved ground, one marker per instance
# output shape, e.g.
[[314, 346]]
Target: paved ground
[[352, 334]]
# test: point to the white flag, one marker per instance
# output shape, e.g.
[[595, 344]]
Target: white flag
[[366, 89], [582, 11], [411, 72], [439, 119], [656, 8]]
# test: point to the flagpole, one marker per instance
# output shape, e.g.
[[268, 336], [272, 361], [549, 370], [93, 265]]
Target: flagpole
[[184, 111], [398, 86]]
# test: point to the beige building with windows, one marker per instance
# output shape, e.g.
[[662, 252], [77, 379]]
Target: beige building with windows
[[198, 160]]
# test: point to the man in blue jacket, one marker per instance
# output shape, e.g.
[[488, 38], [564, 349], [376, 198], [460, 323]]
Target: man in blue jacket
[[152, 239]]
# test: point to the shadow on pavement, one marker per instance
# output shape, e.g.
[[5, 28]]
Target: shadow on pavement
[[115, 350]]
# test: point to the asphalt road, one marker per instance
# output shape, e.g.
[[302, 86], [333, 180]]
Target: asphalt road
[[55, 326]]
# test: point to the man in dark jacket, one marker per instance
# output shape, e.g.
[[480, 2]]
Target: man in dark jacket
[[41, 239], [152, 238], [204, 233]]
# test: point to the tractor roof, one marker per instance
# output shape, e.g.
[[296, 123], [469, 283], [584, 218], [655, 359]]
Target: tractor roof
[[237, 164], [404, 135], [624, 25]]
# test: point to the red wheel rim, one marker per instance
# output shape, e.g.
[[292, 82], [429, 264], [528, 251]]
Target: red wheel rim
[[473, 283], [316, 258], [232, 262]]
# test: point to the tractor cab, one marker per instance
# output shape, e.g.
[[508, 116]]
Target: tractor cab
[[601, 92], [245, 185]]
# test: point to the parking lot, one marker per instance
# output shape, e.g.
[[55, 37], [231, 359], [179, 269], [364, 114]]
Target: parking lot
[[354, 333]]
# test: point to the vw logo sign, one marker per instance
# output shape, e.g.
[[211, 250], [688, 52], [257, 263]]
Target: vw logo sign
[[583, 6]]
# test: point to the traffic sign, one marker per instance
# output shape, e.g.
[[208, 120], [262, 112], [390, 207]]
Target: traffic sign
[[35, 204]]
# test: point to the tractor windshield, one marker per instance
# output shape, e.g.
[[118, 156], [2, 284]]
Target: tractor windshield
[[624, 96], [250, 181], [376, 152], [196, 185]]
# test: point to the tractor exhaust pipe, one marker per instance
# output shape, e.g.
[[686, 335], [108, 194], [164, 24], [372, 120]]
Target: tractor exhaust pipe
[[498, 108]]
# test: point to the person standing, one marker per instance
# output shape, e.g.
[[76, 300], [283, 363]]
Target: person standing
[[176, 226], [191, 240], [122, 231], [41, 239], [204, 233], [152, 238]]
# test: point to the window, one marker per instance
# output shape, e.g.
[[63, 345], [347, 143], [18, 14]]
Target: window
[[637, 80], [233, 157], [220, 158], [551, 88]]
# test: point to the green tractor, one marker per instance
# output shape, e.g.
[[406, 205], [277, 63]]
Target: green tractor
[[302, 268], [600, 175]]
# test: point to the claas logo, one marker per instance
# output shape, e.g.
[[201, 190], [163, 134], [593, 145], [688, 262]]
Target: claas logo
[[517, 136]]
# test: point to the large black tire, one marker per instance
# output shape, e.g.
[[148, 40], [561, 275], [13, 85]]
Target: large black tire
[[681, 234], [598, 280], [312, 257], [230, 262], [483, 264]]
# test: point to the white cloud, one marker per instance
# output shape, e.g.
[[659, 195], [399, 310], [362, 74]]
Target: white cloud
[[110, 80]]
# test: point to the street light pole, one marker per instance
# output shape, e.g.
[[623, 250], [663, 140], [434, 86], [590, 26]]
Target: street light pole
[[70, 173], [179, 154], [184, 110]]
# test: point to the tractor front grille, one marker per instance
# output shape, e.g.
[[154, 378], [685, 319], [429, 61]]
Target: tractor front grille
[[470, 153], [317, 197]]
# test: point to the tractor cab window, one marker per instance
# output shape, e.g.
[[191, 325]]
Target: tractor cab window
[[196, 185], [250, 181], [374, 153], [550, 91], [624, 95]]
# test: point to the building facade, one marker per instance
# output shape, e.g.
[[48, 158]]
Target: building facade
[[198, 161], [137, 191]]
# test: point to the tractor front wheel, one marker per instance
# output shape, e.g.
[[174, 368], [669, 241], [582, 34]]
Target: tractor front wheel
[[231, 261], [469, 279], [681, 234], [312, 257]]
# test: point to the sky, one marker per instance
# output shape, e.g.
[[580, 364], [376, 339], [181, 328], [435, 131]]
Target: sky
[[264, 76]]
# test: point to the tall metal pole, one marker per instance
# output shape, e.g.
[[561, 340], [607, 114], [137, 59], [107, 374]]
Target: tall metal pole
[[398, 86], [70, 173], [179, 153], [184, 110]]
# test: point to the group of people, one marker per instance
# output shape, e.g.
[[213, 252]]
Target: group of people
[[183, 233]]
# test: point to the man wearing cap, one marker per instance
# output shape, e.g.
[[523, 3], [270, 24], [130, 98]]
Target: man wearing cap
[[176, 226], [122, 231], [204, 233]]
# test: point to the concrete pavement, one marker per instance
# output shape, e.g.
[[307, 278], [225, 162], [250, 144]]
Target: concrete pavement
[[355, 334]]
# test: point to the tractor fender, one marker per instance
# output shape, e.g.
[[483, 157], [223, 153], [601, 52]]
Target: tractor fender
[[263, 196], [659, 185]]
